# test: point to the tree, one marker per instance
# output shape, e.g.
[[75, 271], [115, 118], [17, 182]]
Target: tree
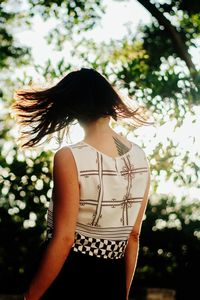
[[177, 20], [177, 38], [165, 81], [170, 246], [9, 50]]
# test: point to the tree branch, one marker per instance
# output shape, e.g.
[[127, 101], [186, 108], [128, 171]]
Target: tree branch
[[176, 38]]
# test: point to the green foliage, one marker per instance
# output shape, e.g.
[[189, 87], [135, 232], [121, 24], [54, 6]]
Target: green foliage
[[73, 17], [167, 89], [25, 184], [49, 72], [8, 48], [169, 242], [146, 65]]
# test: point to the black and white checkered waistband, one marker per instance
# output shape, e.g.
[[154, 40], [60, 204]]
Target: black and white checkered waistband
[[99, 247]]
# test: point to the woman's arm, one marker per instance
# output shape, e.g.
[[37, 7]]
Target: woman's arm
[[65, 211], [132, 248]]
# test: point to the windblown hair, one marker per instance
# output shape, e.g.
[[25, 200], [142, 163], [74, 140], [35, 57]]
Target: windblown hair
[[83, 95]]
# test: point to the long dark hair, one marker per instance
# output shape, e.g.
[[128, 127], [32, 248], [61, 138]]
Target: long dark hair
[[83, 95]]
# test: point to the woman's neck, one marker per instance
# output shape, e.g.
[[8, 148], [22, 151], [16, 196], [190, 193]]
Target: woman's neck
[[98, 128]]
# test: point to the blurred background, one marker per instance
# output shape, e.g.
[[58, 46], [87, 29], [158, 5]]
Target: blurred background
[[150, 51]]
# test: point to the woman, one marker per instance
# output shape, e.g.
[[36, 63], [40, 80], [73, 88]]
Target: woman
[[100, 191]]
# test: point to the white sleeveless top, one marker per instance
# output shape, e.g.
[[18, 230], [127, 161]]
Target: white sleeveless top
[[111, 192]]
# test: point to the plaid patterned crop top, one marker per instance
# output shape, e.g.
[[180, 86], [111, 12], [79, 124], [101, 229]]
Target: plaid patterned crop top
[[111, 192]]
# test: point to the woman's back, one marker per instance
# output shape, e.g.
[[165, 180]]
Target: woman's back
[[112, 187], [113, 145]]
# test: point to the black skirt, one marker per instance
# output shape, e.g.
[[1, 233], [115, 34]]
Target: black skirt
[[85, 277]]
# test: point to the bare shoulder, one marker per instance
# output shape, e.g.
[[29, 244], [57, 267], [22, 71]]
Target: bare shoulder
[[64, 167], [63, 152], [63, 158]]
